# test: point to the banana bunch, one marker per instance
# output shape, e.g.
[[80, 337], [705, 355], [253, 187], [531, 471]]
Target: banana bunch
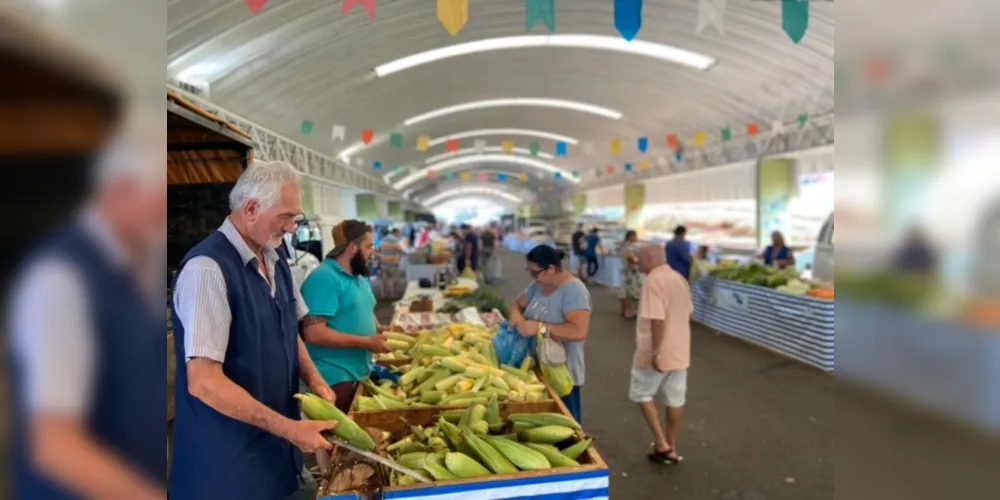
[[475, 442], [454, 365]]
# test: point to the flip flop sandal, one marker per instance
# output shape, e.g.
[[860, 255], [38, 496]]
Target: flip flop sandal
[[663, 457]]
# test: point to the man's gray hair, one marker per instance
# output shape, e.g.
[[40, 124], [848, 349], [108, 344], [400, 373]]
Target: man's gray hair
[[262, 182]]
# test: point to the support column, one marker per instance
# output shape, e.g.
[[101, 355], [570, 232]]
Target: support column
[[635, 200], [775, 186], [395, 210], [366, 206], [912, 152]]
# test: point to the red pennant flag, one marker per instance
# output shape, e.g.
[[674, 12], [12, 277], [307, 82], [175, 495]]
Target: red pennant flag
[[451, 145], [752, 129], [256, 5], [431, 174], [369, 6], [672, 141], [610, 170], [367, 135]]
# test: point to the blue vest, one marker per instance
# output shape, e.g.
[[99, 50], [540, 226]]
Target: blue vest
[[129, 399], [215, 456]]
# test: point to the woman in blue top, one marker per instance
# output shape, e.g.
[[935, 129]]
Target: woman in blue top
[[777, 254], [558, 305]]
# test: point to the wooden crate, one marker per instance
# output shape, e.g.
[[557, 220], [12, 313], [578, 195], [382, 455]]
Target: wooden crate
[[588, 480]]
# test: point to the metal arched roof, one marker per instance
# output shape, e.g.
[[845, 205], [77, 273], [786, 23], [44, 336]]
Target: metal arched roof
[[303, 60]]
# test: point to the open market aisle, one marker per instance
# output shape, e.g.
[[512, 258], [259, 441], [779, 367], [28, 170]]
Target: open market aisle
[[757, 426]]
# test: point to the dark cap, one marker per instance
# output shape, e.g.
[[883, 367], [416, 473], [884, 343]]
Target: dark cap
[[345, 233]]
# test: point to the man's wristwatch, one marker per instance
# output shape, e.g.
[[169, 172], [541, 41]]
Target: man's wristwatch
[[542, 329]]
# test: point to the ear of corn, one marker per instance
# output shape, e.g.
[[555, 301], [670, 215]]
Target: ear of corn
[[520, 374], [413, 460], [464, 385], [431, 397], [545, 418], [397, 345], [453, 364], [429, 384], [433, 350], [523, 457], [489, 455], [549, 434], [553, 455], [476, 414], [448, 383], [411, 376], [452, 415], [390, 403], [464, 466], [436, 469], [401, 337], [475, 373], [317, 408], [522, 426], [559, 377], [577, 449], [493, 415], [480, 382], [480, 427], [527, 364], [499, 383]]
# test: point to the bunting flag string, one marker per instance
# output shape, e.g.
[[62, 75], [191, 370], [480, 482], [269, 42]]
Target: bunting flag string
[[465, 176], [628, 167], [727, 134], [396, 140], [644, 164], [483, 176], [560, 148], [449, 176], [255, 6], [752, 129], [431, 174], [711, 13], [338, 133], [507, 146], [642, 144], [522, 177], [369, 6], [536, 147], [616, 146], [453, 14], [367, 135], [672, 141], [628, 18], [502, 177], [307, 127], [699, 138], [540, 10], [451, 145], [423, 143], [479, 145], [795, 18], [778, 127], [377, 164], [803, 119]]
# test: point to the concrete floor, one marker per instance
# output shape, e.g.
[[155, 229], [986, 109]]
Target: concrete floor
[[757, 426]]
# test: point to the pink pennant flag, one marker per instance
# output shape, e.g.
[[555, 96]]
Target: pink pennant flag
[[256, 5], [483, 176], [369, 6]]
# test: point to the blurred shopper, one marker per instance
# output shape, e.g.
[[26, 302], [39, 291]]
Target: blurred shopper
[[86, 325], [579, 243], [341, 331], [558, 305], [699, 263], [237, 432], [628, 292], [777, 254], [488, 240], [390, 257], [917, 255], [663, 350], [468, 253], [593, 242], [678, 252], [424, 237]]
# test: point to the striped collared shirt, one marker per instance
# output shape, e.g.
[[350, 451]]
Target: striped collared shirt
[[202, 304]]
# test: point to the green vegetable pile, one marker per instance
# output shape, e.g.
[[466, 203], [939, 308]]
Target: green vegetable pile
[[482, 298], [755, 274]]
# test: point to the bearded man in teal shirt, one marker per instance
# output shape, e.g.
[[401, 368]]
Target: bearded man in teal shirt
[[341, 331]]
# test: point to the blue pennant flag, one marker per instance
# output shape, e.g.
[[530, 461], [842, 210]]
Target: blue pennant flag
[[795, 18], [679, 156], [539, 10], [628, 18], [501, 176], [560, 148], [628, 167], [643, 144], [558, 175], [377, 164], [449, 176]]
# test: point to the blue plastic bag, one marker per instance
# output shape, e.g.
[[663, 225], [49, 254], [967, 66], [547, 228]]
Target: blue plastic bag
[[380, 372], [511, 347]]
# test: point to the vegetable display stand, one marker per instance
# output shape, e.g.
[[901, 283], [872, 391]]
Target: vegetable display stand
[[589, 479], [799, 327]]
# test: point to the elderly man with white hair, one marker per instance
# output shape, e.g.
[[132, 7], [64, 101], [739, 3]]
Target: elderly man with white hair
[[237, 431]]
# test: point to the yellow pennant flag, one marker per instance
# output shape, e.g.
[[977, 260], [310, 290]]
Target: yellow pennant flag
[[423, 142], [523, 177], [616, 146], [699, 138], [453, 14], [644, 164], [507, 146], [465, 176]]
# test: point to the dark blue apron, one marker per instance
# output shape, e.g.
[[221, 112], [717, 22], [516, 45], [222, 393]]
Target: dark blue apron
[[215, 456]]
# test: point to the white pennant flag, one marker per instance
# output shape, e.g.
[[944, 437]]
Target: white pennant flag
[[711, 13], [662, 162], [778, 127], [479, 145], [359, 162], [339, 131], [588, 147]]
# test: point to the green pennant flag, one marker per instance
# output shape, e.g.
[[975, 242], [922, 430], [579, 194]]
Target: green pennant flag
[[535, 148], [396, 140], [307, 127], [727, 134], [795, 18], [576, 173], [803, 118], [539, 10], [395, 167]]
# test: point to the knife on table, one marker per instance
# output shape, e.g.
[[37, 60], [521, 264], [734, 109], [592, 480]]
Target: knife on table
[[381, 460]]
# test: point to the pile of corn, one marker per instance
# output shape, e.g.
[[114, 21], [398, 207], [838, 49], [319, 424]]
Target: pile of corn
[[475, 442], [453, 365]]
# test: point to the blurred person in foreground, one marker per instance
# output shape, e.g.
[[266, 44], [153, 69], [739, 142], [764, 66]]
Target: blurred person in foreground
[[777, 254], [86, 323], [341, 331], [488, 241], [578, 242], [678, 252], [628, 293], [390, 251], [237, 432], [663, 350], [468, 253], [557, 304], [593, 242], [699, 263], [917, 254]]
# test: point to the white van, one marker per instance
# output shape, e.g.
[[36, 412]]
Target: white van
[[823, 259]]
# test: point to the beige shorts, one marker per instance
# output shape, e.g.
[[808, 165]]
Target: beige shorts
[[646, 382]]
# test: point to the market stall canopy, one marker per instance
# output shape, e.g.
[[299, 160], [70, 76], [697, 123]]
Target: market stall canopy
[[345, 83], [201, 147]]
